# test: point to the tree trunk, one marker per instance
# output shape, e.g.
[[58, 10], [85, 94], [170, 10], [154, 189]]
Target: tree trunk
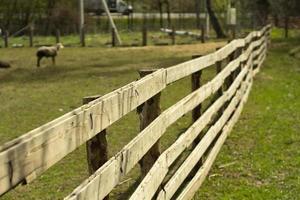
[[276, 20], [214, 20], [50, 6], [160, 7], [197, 7], [168, 13], [10, 14]]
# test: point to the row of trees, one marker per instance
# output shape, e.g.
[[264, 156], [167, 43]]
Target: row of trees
[[62, 13], [49, 13], [280, 11]]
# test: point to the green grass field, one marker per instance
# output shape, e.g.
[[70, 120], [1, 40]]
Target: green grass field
[[262, 151]]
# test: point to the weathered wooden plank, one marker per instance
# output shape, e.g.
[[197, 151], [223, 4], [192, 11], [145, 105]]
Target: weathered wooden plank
[[148, 189], [185, 139], [182, 70], [178, 178], [148, 111], [172, 153], [127, 158], [259, 63], [196, 84], [259, 54], [198, 179], [35, 152], [185, 69], [249, 38], [140, 145], [96, 148]]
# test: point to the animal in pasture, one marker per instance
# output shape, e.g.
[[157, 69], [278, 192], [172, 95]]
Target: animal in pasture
[[4, 64], [48, 52]]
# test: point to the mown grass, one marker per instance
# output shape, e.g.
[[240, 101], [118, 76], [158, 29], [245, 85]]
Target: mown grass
[[263, 149], [32, 96]]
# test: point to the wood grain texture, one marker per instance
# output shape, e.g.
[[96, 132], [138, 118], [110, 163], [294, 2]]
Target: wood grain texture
[[187, 138], [36, 151], [148, 112], [33, 153], [131, 154], [199, 178]]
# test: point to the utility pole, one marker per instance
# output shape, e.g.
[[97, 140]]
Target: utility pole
[[81, 22], [111, 21]]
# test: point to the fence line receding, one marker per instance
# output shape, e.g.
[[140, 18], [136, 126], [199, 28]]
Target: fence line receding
[[25, 158]]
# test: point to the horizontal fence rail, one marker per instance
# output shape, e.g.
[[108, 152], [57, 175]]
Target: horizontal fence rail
[[27, 157]]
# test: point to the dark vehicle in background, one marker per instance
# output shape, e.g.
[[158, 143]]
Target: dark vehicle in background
[[114, 6]]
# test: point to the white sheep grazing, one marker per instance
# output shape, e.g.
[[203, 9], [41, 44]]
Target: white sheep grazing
[[48, 52]]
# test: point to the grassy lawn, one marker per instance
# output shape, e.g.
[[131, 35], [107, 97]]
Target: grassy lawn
[[262, 151], [258, 161], [32, 96]]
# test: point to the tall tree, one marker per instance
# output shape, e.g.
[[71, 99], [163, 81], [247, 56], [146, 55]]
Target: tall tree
[[197, 11], [160, 7], [214, 20], [285, 9], [168, 7]]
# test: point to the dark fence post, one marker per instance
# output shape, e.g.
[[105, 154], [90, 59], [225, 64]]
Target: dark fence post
[[196, 84], [82, 38], [31, 36], [113, 37], [233, 31], [144, 36], [202, 33], [220, 91], [6, 35], [148, 112], [57, 36], [231, 77], [197, 111], [173, 36], [96, 148]]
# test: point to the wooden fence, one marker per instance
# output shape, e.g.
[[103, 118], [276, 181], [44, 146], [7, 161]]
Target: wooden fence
[[27, 157]]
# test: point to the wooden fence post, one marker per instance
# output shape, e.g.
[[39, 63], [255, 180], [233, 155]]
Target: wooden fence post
[[173, 36], [6, 35], [82, 38], [233, 29], [202, 33], [144, 36], [196, 84], [230, 78], [197, 111], [96, 147], [220, 91], [113, 37], [148, 112], [57, 36], [31, 36]]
